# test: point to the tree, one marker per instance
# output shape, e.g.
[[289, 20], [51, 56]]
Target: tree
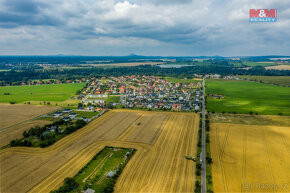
[[25, 134]]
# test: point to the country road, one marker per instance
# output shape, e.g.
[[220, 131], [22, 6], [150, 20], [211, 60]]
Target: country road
[[203, 152]]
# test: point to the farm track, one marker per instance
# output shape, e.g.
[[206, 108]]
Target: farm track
[[157, 166], [247, 156]]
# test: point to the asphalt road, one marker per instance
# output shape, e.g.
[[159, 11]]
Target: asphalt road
[[203, 152]]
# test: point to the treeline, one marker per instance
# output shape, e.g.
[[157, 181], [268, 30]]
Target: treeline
[[217, 67], [49, 138]]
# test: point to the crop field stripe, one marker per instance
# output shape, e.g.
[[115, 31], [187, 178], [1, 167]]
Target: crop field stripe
[[162, 167], [173, 160], [269, 165], [285, 144], [244, 163], [222, 148], [130, 130], [176, 161], [159, 130], [158, 149]]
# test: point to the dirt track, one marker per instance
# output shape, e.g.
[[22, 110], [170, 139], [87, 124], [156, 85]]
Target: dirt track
[[158, 166]]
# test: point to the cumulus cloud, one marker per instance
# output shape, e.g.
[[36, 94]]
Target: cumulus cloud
[[153, 27]]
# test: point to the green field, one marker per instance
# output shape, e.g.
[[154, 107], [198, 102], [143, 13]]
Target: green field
[[264, 64], [87, 114], [176, 80], [247, 96], [49, 92], [277, 80], [94, 174], [113, 99]]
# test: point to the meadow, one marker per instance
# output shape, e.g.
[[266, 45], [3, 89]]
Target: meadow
[[277, 80], [49, 92], [247, 96], [264, 64]]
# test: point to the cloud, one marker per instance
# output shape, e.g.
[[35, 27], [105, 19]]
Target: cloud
[[153, 27]]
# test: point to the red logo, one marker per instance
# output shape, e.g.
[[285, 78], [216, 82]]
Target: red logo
[[263, 13]]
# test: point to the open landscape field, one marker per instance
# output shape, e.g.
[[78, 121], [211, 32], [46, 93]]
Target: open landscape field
[[14, 114], [250, 158], [161, 139], [247, 96], [277, 80], [279, 67], [264, 64], [49, 92]]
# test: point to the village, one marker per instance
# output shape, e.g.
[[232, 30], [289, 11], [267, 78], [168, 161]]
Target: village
[[144, 92]]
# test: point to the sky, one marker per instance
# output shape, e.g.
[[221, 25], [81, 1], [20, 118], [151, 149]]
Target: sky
[[147, 27]]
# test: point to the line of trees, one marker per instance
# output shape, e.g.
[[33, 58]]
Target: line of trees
[[48, 138]]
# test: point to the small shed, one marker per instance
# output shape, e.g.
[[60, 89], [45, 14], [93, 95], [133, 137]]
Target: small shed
[[110, 174], [89, 191]]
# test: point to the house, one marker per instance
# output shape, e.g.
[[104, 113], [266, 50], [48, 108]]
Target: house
[[66, 119], [85, 119], [90, 108], [110, 174], [72, 115], [57, 114], [67, 110], [89, 191], [52, 128]]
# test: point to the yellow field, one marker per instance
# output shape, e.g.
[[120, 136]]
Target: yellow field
[[279, 67], [161, 139], [13, 114], [250, 158]]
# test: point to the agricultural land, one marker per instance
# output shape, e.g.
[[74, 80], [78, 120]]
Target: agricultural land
[[276, 80], [47, 93], [250, 158], [279, 67], [247, 97], [11, 115], [162, 140]]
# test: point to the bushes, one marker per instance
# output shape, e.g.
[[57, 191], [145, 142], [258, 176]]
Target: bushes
[[69, 184], [18, 142]]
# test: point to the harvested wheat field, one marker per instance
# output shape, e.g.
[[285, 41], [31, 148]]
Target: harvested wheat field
[[15, 132], [250, 158], [158, 165], [13, 114], [279, 67]]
